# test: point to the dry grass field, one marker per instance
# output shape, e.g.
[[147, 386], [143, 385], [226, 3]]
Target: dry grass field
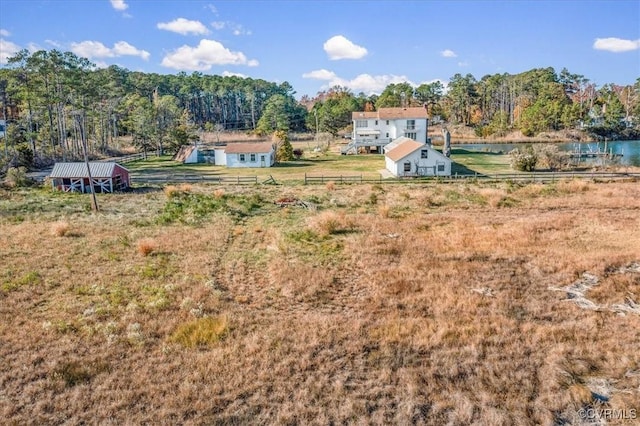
[[368, 304]]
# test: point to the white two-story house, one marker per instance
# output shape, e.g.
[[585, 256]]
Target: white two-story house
[[373, 130]]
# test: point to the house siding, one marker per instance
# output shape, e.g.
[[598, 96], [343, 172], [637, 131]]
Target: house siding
[[233, 160]]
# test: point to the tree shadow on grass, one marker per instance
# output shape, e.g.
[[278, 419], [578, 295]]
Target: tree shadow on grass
[[462, 170], [293, 164]]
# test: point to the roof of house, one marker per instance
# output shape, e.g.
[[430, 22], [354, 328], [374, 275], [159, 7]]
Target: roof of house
[[75, 170], [403, 149], [248, 147], [391, 113], [388, 147], [184, 152]]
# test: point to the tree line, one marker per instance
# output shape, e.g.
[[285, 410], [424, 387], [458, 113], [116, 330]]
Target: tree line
[[56, 102]]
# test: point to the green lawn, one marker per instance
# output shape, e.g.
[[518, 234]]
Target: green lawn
[[317, 164]]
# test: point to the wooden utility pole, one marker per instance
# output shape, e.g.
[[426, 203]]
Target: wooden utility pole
[[79, 115]]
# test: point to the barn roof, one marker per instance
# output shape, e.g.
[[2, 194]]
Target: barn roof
[[75, 170], [248, 147], [404, 148]]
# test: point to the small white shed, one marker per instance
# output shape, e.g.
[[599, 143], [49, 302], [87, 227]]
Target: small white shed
[[411, 158], [245, 154]]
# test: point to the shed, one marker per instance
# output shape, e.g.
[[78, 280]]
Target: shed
[[412, 158], [249, 154], [74, 177]]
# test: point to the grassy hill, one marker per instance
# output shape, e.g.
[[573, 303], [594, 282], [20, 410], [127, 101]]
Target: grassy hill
[[423, 303]]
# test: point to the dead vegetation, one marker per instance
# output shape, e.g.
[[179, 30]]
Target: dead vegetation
[[404, 304]]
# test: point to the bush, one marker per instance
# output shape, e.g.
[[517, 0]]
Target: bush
[[524, 160], [298, 153], [60, 229], [17, 177], [146, 246]]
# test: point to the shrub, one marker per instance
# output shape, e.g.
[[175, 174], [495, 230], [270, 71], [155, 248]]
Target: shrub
[[524, 160], [297, 153], [146, 246], [171, 191], [17, 177], [330, 222], [60, 229], [200, 332]]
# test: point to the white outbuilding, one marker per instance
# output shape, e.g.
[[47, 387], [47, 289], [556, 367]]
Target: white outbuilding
[[412, 158], [246, 154]]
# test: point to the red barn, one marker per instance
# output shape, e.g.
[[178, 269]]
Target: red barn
[[74, 177]]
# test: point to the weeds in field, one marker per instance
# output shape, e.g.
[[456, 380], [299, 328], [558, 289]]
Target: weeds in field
[[200, 332]]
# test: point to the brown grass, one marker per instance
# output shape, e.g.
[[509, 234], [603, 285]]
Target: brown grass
[[435, 313]]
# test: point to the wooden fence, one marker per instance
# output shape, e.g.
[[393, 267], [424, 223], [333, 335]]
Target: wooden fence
[[335, 179], [130, 158], [539, 177], [190, 178]]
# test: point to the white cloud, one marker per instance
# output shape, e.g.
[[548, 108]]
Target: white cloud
[[339, 47], [202, 57], [53, 43], [236, 29], [239, 30], [33, 47], [94, 49], [320, 75], [122, 48], [119, 5], [184, 26], [212, 9], [447, 53], [4, 33], [463, 64], [362, 83], [616, 45], [233, 74], [7, 50]]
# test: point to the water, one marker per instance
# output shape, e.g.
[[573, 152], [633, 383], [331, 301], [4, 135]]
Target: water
[[630, 150]]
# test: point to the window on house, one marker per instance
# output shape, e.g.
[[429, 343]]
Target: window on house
[[424, 153], [407, 166], [411, 124], [361, 123], [253, 158], [387, 122], [411, 135], [376, 122], [441, 167], [387, 135], [242, 158]]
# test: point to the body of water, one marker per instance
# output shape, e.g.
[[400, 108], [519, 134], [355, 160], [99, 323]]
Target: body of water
[[630, 150]]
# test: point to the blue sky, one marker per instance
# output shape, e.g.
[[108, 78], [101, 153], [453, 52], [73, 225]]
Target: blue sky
[[362, 45]]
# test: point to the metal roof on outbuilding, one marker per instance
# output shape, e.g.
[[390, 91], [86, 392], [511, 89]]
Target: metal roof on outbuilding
[[248, 147], [75, 170], [404, 148]]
